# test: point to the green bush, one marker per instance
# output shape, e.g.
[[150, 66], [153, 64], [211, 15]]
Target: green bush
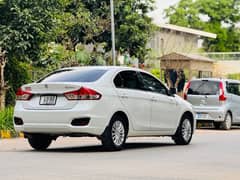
[[6, 119], [234, 76], [156, 73], [16, 74]]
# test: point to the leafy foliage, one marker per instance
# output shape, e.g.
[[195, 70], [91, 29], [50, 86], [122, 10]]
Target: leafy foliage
[[218, 16], [6, 119], [25, 25], [134, 27], [234, 76], [48, 34], [17, 73], [57, 56], [89, 22]]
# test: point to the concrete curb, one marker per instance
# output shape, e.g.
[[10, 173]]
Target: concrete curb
[[6, 134]]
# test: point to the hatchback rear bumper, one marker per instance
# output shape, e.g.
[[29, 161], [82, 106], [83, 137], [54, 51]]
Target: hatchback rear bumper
[[216, 114]]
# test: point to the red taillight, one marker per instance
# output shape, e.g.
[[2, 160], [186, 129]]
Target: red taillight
[[186, 90], [83, 94], [222, 96], [23, 95]]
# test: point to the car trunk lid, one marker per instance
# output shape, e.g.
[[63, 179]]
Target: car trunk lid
[[50, 96]]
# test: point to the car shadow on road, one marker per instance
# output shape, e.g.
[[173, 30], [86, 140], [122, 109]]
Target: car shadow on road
[[100, 148], [233, 128]]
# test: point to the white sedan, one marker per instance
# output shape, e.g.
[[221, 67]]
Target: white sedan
[[110, 103]]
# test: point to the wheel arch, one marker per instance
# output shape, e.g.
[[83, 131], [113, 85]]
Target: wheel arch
[[230, 112], [124, 116], [190, 115]]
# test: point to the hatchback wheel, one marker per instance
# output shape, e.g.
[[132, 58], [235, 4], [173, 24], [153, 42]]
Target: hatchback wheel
[[115, 134], [227, 123], [184, 132], [39, 142]]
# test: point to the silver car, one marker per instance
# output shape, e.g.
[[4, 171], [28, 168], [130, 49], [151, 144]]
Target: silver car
[[216, 100]]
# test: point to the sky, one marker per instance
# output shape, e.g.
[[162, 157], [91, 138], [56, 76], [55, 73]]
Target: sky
[[157, 14], [160, 6]]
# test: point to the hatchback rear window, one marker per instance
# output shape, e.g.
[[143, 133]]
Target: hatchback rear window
[[203, 88], [75, 76]]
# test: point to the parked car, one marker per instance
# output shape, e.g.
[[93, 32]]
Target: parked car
[[111, 103], [216, 100]]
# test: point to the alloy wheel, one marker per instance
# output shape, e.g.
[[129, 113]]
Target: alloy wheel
[[118, 133], [228, 121], [186, 130]]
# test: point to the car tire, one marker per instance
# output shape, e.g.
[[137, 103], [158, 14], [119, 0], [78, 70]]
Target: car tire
[[217, 125], [227, 123], [115, 134], [39, 142], [184, 132]]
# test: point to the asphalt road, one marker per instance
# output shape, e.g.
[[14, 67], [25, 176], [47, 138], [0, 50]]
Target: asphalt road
[[212, 155]]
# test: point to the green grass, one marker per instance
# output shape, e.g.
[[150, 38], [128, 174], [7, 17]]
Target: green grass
[[6, 119]]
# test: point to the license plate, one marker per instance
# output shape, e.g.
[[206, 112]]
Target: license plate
[[201, 116], [48, 100]]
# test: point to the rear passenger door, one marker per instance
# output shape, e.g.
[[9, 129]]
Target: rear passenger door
[[164, 108], [234, 90], [135, 101]]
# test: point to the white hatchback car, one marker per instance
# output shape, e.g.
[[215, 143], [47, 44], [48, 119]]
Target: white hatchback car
[[110, 103]]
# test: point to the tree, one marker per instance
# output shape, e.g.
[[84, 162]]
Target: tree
[[133, 26], [218, 16], [24, 26], [89, 22]]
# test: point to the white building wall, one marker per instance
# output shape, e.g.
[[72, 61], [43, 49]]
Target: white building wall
[[167, 41]]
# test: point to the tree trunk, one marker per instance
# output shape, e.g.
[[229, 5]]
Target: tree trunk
[[3, 84], [2, 99]]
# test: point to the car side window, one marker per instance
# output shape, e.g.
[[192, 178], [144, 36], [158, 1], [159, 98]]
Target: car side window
[[152, 84], [233, 88], [118, 81], [127, 79]]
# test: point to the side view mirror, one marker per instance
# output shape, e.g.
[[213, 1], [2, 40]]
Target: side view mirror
[[172, 91]]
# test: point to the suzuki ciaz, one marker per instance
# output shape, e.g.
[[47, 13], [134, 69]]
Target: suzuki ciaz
[[110, 103]]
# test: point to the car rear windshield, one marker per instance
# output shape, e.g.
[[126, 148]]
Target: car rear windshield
[[204, 88], [89, 75]]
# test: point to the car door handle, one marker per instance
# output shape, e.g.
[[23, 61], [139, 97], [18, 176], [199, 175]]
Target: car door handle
[[154, 99], [123, 96], [171, 100]]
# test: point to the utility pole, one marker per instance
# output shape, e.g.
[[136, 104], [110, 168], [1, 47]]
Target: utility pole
[[113, 33]]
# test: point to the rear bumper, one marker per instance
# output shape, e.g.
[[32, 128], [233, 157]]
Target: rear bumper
[[58, 122], [216, 114], [58, 129]]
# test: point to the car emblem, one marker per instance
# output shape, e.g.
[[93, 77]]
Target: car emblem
[[46, 86]]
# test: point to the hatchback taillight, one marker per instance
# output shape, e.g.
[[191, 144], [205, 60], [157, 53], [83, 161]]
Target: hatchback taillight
[[186, 90], [83, 94], [23, 95], [222, 96]]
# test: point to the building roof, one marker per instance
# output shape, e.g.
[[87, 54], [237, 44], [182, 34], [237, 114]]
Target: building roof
[[186, 61], [184, 56], [187, 30]]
